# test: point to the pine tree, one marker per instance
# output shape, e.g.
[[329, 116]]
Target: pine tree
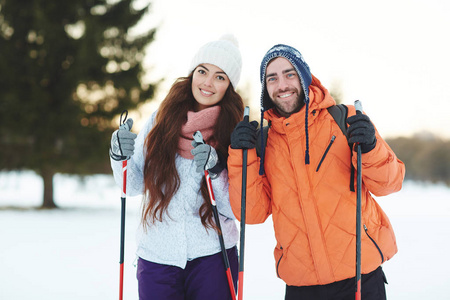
[[67, 70]]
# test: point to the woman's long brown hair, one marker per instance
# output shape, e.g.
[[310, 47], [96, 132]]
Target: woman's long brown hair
[[161, 178]]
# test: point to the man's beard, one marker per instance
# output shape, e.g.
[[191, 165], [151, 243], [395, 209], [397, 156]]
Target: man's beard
[[298, 104]]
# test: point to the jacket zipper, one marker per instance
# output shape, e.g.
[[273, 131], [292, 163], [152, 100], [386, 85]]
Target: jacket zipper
[[373, 241], [326, 152], [278, 263]]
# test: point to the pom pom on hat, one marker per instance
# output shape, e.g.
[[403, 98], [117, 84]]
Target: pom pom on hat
[[231, 38], [223, 53]]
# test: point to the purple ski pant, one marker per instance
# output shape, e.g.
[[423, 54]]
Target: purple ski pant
[[204, 278]]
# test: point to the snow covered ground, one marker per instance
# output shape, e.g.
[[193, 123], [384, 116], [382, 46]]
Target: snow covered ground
[[73, 253]]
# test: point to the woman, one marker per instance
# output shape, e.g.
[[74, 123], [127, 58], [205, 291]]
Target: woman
[[178, 246]]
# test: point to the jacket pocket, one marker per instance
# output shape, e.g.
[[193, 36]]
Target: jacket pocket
[[326, 152], [279, 260], [375, 243]]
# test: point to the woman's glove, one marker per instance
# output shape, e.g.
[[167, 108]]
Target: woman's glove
[[361, 131], [206, 158], [122, 142]]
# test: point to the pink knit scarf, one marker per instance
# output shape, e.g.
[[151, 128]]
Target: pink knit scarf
[[203, 121]]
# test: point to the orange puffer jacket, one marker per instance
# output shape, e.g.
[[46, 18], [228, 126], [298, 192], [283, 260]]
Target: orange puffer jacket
[[312, 207]]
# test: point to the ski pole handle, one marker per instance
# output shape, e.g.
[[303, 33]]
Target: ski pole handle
[[358, 107], [246, 113], [198, 137]]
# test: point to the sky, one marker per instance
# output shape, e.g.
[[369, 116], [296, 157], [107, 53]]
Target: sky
[[392, 55]]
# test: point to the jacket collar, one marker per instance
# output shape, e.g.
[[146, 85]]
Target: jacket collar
[[320, 98]]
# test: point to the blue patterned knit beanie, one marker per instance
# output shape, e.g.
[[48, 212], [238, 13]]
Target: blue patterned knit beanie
[[302, 69]]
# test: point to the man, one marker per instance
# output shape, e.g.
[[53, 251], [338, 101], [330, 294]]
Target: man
[[303, 177]]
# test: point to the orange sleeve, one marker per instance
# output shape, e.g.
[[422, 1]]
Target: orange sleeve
[[258, 203], [382, 172]]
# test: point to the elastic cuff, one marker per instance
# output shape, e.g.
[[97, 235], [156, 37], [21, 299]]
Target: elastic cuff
[[213, 175], [116, 157], [368, 148], [216, 169], [220, 165]]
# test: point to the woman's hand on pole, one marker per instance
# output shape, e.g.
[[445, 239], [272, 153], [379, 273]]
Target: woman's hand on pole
[[122, 142]]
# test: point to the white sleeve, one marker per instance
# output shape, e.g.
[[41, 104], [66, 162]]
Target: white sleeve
[[220, 188]]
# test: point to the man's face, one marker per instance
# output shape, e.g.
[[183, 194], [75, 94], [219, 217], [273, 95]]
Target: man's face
[[284, 87]]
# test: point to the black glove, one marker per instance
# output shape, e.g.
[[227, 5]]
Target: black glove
[[244, 135], [362, 131]]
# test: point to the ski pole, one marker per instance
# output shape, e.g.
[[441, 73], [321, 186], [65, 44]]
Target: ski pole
[[123, 125], [243, 204], [199, 139], [358, 107]]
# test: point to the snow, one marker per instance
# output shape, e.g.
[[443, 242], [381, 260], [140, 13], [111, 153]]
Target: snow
[[73, 253]]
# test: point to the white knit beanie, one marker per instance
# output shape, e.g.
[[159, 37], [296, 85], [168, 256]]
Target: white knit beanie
[[223, 53]]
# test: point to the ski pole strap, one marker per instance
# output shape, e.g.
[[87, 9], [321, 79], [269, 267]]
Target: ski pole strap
[[122, 122]]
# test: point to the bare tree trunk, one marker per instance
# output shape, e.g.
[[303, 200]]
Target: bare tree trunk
[[47, 175]]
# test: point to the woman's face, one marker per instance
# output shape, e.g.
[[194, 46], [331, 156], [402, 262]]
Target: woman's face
[[209, 84]]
